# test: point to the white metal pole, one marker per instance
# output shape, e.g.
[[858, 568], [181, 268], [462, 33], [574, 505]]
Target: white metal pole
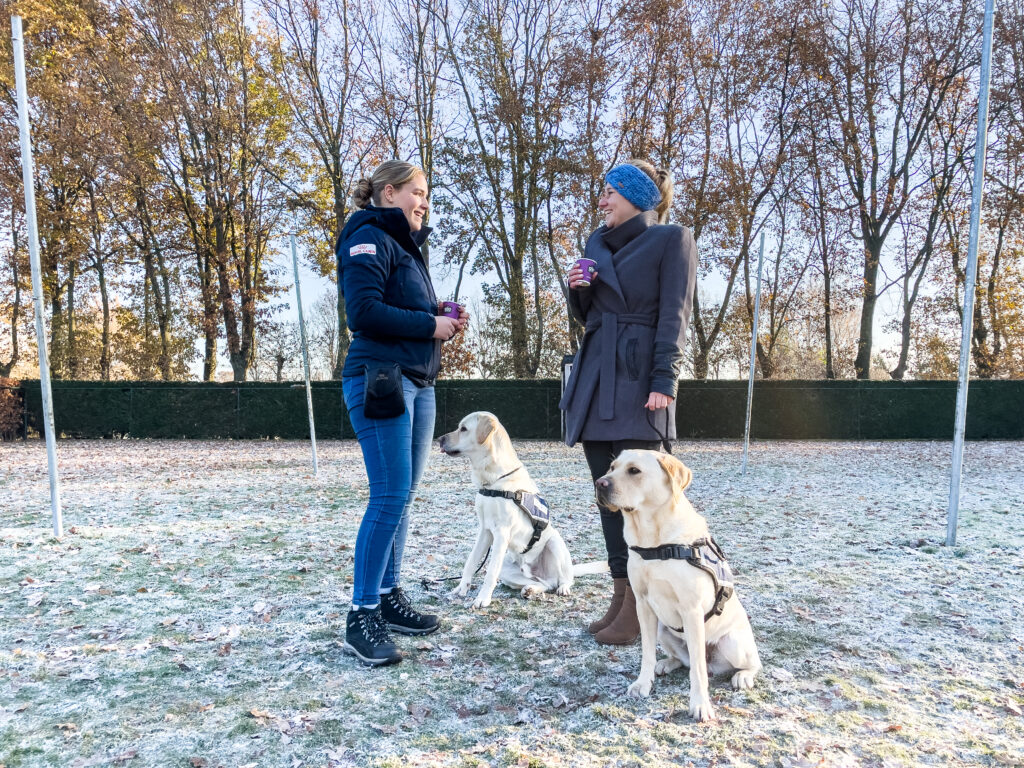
[[753, 352], [305, 353], [967, 324], [37, 275]]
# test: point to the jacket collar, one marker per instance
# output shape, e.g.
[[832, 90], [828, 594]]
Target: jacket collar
[[392, 221], [617, 237]]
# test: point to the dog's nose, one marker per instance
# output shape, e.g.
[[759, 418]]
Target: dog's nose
[[602, 482]]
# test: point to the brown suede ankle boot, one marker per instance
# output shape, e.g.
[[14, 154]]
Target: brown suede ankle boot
[[618, 593], [625, 627]]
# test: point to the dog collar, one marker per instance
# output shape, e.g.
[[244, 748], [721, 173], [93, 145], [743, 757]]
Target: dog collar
[[704, 554]]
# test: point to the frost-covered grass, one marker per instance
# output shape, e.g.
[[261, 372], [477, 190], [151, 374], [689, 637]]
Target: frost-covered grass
[[192, 615]]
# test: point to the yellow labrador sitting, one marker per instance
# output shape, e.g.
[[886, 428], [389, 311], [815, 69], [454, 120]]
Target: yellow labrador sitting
[[523, 556], [679, 603]]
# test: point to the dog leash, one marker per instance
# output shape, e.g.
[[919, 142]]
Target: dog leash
[[665, 442], [428, 582]]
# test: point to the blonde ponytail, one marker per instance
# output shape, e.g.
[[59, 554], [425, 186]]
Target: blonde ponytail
[[662, 177], [393, 172]]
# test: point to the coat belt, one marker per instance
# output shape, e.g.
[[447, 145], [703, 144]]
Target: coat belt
[[608, 323]]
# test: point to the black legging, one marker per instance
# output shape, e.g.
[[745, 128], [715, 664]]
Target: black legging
[[600, 455]]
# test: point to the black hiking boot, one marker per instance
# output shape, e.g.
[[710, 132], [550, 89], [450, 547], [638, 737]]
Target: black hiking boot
[[367, 638], [401, 617]]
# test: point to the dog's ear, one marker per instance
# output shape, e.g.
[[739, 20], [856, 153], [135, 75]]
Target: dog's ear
[[678, 473], [484, 428]]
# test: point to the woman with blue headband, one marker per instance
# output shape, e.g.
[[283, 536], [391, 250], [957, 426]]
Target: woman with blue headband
[[635, 308]]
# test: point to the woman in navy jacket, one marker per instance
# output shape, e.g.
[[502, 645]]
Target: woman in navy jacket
[[397, 332], [623, 385]]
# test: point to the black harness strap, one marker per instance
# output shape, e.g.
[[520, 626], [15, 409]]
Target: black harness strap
[[517, 497], [693, 555]]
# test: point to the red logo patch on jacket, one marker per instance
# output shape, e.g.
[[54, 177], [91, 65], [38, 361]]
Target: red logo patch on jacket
[[369, 248]]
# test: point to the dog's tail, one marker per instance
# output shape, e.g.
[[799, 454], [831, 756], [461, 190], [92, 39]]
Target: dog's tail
[[589, 569]]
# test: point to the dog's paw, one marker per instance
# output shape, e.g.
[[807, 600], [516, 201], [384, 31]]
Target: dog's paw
[[458, 593], [743, 680], [664, 666], [640, 688], [563, 590], [481, 602], [530, 592], [701, 710]]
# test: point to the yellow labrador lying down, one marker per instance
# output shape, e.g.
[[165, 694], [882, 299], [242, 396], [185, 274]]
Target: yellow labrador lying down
[[526, 554], [678, 601]]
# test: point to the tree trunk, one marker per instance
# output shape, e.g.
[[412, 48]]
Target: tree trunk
[[101, 276], [5, 368], [862, 364], [343, 339], [517, 322], [72, 347], [209, 318], [830, 371], [900, 370], [700, 354]]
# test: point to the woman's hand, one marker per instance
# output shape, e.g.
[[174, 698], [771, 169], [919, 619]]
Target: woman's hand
[[657, 400], [446, 327], [575, 277], [463, 320]]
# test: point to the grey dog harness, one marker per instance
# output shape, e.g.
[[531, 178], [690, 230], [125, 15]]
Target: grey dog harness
[[531, 503], [704, 554]]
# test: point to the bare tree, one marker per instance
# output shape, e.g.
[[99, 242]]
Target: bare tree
[[884, 71], [319, 66]]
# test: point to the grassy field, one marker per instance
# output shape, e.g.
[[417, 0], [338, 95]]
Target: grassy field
[[193, 612]]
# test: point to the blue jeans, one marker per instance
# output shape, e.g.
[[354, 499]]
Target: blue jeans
[[395, 452]]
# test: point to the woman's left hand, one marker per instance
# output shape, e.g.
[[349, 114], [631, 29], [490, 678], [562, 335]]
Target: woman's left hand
[[463, 319], [657, 400]]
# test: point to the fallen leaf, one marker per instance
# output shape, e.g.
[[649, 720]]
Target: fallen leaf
[[198, 762], [66, 727], [259, 713], [224, 650], [124, 757], [170, 621], [893, 728]]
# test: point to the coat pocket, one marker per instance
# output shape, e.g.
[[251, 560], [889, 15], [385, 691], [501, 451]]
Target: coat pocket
[[633, 359]]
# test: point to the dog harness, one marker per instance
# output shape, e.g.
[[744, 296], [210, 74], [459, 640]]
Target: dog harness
[[704, 554], [531, 503]]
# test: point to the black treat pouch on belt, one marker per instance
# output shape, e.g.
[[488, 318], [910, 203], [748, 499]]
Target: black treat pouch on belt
[[384, 398]]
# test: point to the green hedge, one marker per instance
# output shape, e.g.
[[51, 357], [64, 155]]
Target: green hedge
[[827, 410]]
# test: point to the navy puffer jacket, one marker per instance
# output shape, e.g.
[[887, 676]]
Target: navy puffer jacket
[[389, 298]]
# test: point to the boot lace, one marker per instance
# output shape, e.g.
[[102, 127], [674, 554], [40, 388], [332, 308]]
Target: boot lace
[[373, 627], [400, 603]]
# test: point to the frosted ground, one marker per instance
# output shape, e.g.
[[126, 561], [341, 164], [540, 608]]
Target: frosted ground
[[192, 615]]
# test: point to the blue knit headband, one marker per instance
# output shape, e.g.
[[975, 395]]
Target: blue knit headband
[[634, 185]]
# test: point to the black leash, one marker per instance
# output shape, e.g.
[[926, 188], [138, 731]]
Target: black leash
[[428, 582], [666, 444]]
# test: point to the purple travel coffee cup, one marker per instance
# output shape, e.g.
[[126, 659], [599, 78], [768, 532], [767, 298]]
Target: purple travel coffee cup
[[451, 309], [589, 267]]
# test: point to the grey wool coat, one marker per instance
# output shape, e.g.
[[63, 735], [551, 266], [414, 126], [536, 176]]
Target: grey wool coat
[[636, 315]]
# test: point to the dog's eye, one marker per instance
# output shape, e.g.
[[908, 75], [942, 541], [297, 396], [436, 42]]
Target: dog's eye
[[634, 470], [462, 429]]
